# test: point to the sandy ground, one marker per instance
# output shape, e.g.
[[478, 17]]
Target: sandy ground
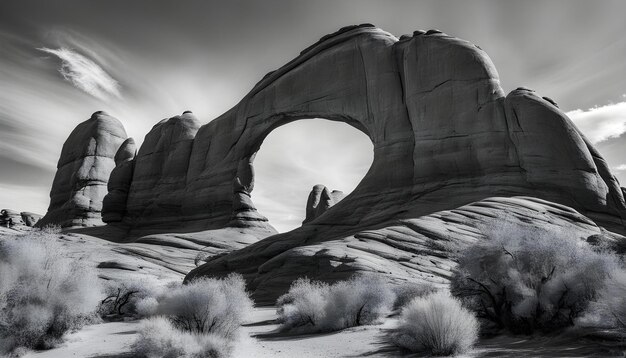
[[114, 339], [260, 340]]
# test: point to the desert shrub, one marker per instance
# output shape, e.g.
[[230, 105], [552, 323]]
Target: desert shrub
[[132, 297], [303, 305], [207, 305], [526, 279], [159, 338], [311, 306], [200, 319], [360, 301], [436, 324], [42, 293], [406, 292], [609, 309]]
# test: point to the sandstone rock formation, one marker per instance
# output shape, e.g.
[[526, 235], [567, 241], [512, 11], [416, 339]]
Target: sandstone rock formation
[[83, 171], [421, 249], [30, 219], [445, 135], [114, 203], [446, 139], [15, 219], [10, 218], [319, 201]]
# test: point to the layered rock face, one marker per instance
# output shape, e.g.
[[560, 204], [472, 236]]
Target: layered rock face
[[80, 183], [444, 135], [320, 200], [15, 219]]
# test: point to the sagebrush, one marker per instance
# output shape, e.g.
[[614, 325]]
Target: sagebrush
[[524, 278], [158, 337], [199, 319], [436, 324], [311, 306], [43, 294]]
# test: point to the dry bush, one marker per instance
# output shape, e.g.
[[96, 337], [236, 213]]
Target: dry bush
[[42, 293], [200, 319], [207, 305], [159, 338], [303, 305], [360, 301], [526, 279], [317, 307], [406, 292], [131, 297], [436, 324], [609, 309]]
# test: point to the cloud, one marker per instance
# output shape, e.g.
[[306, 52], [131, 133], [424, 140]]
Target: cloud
[[620, 167], [601, 123], [85, 74]]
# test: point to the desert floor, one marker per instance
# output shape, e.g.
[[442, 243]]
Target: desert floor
[[260, 339]]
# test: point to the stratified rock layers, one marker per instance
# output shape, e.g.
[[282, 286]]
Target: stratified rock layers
[[83, 171], [444, 134]]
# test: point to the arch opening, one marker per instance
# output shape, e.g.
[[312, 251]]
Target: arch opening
[[298, 155]]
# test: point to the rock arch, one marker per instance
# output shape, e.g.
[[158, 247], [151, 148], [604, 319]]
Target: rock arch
[[443, 131]]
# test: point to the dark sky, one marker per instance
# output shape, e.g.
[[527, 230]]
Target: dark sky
[[146, 60]]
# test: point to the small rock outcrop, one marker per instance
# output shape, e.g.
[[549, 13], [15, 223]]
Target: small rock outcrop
[[245, 213], [15, 219], [80, 183], [30, 219], [320, 199]]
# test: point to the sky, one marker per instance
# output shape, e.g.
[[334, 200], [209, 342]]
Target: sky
[[143, 61]]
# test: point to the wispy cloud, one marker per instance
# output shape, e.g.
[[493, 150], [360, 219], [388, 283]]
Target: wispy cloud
[[85, 74], [601, 123], [620, 167]]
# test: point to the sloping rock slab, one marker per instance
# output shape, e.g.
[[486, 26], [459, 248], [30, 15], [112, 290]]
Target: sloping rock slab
[[423, 249]]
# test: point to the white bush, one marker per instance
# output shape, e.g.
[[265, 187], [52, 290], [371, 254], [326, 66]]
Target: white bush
[[207, 305], [200, 319], [303, 305], [42, 293], [360, 301], [525, 278], [436, 324], [159, 338], [609, 309], [317, 307]]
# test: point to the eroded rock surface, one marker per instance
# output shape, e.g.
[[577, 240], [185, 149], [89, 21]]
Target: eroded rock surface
[[80, 183], [421, 249], [15, 219], [446, 140], [444, 135]]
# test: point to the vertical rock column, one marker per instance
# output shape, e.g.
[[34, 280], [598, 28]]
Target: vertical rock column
[[80, 183]]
